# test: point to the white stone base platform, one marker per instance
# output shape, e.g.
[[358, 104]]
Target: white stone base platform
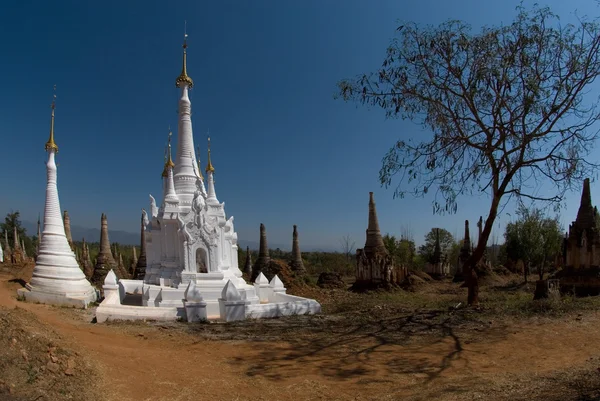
[[166, 303], [31, 294]]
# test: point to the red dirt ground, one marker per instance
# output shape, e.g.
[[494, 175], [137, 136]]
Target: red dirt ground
[[516, 360]]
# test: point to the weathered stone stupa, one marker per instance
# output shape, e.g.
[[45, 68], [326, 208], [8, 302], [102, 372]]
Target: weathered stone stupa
[[464, 255], [133, 262], [296, 263], [374, 265], [140, 266], [7, 249], [581, 271], [57, 278], [122, 269], [263, 260], [248, 264], [86, 261], [17, 250], [67, 221], [104, 261], [438, 265]]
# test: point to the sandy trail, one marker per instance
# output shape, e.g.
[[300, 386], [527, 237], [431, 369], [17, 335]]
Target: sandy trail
[[149, 363]]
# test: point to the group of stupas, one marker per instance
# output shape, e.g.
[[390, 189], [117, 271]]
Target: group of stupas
[[59, 279], [16, 254]]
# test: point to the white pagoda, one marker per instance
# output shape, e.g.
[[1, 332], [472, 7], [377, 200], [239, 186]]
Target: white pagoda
[[189, 236], [57, 278], [191, 250]]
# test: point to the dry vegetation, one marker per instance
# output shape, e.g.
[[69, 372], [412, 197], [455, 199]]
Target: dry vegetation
[[36, 364], [412, 344]]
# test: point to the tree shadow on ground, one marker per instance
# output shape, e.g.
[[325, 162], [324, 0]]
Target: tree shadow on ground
[[365, 347]]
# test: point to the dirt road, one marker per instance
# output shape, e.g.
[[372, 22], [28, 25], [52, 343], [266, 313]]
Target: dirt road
[[154, 362]]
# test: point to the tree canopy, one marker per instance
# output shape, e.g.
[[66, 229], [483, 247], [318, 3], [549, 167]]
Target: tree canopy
[[506, 108], [534, 238], [446, 243]]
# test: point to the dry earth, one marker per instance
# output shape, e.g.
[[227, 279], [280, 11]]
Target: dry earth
[[372, 351]]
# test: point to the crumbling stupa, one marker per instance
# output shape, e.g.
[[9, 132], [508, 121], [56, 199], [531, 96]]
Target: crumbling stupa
[[104, 261], [57, 278], [86, 261], [67, 222], [581, 271], [296, 263], [263, 260], [374, 266], [140, 267], [438, 265], [248, 264]]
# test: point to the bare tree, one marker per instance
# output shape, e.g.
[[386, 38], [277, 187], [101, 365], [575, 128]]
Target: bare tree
[[406, 232], [348, 246], [507, 108]]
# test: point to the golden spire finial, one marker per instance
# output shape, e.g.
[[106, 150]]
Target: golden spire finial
[[209, 166], [169, 161], [165, 173], [51, 145], [199, 165], [183, 77]]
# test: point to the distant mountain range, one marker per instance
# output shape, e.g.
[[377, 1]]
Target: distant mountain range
[[91, 234], [127, 238]]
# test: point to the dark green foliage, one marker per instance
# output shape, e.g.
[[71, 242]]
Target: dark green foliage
[[10, 222], [446, 244], [315, 262], [534, 238], [402, 250]]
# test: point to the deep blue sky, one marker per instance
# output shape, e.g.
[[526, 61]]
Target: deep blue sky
[[265, 72]]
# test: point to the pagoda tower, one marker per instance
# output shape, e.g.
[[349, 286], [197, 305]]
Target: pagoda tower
[[57, 278], [105, 261], [185, 173], [296, 261], [188, 236], [374, 265], [263, 261], [248, 264], [67, 222], [140, 266]]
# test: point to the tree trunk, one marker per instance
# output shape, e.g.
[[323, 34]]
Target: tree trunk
[[541, 289], [473, 286], [541, 269], [526, 270]]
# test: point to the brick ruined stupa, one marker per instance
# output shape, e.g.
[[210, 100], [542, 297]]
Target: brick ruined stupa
[[296, 263], [374, 265], [581, 249], [104, 261]]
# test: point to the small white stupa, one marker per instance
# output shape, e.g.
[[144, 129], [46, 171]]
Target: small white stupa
[[57, 278]]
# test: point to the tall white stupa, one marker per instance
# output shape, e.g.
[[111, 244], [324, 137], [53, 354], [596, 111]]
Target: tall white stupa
[[57, 278], [188, 236]]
